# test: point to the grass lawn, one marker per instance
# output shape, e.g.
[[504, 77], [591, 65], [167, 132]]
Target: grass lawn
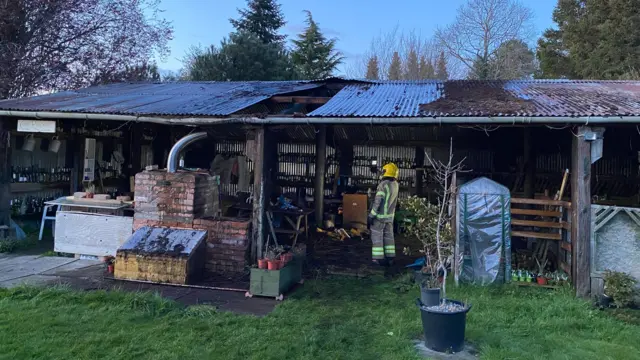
[[326, 319]]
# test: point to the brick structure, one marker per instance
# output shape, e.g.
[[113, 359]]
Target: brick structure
[[188, 200]]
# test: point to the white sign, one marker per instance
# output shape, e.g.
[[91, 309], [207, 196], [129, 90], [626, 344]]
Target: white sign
[[39, 126]]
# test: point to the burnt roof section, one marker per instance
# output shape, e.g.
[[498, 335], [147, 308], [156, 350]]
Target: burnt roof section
[[163, 99], [466, 98]]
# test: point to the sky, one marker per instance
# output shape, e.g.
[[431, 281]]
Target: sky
[[353, 22]]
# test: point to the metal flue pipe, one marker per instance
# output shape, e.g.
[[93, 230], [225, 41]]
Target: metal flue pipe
[[174, 154]]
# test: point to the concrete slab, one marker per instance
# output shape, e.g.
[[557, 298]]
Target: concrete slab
[[469, 352], [15, 267], [72, 266], [32, 280]]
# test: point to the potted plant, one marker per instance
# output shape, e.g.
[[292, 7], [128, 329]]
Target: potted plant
[[619, 289], [443, 324], [262, 263], [425, 228], [272, 260]]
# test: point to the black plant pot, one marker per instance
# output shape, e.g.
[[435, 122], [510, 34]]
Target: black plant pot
[[444, 331], [429, 296]]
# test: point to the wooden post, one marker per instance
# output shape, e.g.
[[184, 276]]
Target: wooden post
[[256, 154], [161, 146], [321, 159], [73, 161], [529, 164], [345, 164], [419, 170], [581, 212], [136, 149], [5, 172]]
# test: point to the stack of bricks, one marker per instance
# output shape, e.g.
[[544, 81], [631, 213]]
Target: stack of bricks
[[188, 200], [227, 244]]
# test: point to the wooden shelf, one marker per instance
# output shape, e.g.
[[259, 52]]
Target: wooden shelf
[[542, 224], [35, 187], [545, 213], [536, 235]]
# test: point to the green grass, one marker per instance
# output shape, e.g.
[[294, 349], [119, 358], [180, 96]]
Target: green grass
[[326, 319]]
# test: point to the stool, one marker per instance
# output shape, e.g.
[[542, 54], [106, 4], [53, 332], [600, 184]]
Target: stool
[[45, 218]]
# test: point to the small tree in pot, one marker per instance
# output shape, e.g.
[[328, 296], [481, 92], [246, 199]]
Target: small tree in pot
[[444, 324], [424, 227]]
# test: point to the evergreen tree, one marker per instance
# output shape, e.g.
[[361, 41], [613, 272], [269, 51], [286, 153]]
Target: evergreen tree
[[262, 18], [395, 69], [373, 72], [243, 56], [595, 39], [426, 69], [412, 72], [441, 67], [314, 56]]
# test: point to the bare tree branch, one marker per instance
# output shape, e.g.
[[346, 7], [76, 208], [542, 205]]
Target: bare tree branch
[[481, 26]]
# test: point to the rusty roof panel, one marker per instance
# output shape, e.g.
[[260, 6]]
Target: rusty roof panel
[[177, 98], [529, 98]]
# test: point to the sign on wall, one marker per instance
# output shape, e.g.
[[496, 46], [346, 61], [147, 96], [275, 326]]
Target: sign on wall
[[38, 126]]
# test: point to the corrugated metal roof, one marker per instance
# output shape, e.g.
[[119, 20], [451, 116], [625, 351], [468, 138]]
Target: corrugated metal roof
[[381, 99], [178, 98], [485, 98]]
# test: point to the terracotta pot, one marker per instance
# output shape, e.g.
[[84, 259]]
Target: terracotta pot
[[285, 258], [262, 264], [541, 280], [110, 268], [273, 264]]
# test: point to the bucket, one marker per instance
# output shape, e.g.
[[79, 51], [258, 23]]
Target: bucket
[[444, 331], [429, 296], [54, 145], [29, 143]]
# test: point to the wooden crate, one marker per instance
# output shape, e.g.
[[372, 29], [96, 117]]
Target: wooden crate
[[275, 283]]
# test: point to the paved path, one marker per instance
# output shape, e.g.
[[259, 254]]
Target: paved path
[[87, 275], [36, 269]]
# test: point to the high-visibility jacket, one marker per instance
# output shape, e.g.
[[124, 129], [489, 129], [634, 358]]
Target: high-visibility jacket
[[384, 204]]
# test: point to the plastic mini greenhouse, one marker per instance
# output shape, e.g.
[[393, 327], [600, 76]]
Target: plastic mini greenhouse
[[483, 239]]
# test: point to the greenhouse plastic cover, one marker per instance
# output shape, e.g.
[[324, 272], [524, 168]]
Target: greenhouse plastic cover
[[484, 232]]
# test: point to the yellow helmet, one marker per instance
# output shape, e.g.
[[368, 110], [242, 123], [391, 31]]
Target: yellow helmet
[[390, 170]]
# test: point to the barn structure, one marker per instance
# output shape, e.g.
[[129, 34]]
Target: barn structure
[[320, 140]]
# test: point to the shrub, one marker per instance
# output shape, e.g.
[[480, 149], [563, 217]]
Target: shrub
[[621, 287]]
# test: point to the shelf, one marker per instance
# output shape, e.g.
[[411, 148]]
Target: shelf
[[35, 187]]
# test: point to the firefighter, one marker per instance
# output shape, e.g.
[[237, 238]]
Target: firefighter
[[381, 216]]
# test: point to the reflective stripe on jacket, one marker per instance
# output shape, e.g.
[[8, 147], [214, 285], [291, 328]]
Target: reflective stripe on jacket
[[384, 205]]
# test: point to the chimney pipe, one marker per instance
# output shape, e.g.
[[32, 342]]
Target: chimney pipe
[[172, 161]]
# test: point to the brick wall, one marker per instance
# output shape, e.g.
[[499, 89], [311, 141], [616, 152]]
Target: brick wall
[[188, 200]]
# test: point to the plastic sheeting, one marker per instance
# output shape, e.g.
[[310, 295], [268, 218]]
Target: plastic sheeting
[[483, 239]]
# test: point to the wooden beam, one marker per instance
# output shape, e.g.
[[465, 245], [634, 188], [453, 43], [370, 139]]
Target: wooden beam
[[545, 213], [566, 247], [321, 159], [536, 235], [256, 154], [419, 156], [5, 172], [541, 202], [541, 224], [301, 99], [529, 163], [581, 212]]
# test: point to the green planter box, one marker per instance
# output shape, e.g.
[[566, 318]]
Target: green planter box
[[275, 283]]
